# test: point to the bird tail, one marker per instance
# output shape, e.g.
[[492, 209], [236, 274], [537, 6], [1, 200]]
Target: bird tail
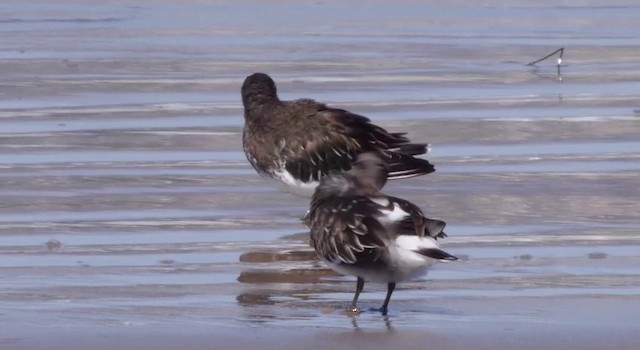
[[425, 246], [403, 163], [438, 254]]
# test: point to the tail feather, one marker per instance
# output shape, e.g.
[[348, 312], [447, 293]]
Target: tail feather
[[413, 149], [435, 228], [432, 228], [437, 254], [403, 166], [425, 246]]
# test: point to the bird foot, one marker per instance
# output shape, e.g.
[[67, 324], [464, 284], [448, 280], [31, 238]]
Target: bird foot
[[382, 310], [353, 311]]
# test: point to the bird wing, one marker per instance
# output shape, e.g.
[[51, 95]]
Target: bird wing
[[343, 229], [416, 223], [334, 137]]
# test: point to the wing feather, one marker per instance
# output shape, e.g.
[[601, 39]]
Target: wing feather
[[416, 223], [334, 137], [342, 230]]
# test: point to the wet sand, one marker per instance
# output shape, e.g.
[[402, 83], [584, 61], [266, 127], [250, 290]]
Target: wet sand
[[463, 333], [130, 218]]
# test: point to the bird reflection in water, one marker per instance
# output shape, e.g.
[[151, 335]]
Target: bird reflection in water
[[300, 270], [385, 319]]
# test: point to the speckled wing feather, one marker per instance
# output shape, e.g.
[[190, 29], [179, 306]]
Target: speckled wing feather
[[344, 230], [416, 223]]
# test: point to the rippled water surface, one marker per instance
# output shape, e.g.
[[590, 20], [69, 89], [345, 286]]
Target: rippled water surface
[[127, 200]]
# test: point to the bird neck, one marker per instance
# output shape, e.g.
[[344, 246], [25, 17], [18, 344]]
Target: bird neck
[[254, 100]]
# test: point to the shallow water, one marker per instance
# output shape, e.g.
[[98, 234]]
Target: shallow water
[[127, 202]]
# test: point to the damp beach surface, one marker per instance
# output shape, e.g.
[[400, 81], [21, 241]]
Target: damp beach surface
[[130, 219]]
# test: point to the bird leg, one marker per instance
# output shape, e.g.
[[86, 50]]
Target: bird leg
[[390, 287], [359, 286]]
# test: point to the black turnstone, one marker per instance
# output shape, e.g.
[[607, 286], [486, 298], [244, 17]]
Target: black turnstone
[[360, 231], [298, 142]]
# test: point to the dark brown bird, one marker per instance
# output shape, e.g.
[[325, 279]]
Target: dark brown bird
[[357, 230], [298, 142]]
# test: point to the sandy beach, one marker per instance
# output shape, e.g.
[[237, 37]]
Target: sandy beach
[[131, 219]]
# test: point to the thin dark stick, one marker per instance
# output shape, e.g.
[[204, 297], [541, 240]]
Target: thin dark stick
[[390, 287], [561, 50], [359, 286]]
